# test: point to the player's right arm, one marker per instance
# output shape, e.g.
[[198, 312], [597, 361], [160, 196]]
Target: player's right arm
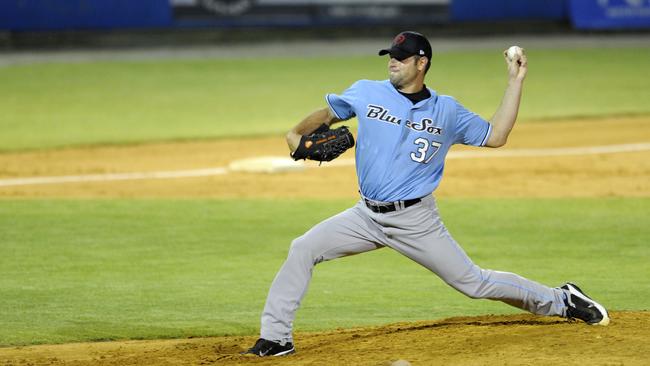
[[309, 125], [504, 118]]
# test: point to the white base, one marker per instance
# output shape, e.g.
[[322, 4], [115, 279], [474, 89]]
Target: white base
[[266, 164]]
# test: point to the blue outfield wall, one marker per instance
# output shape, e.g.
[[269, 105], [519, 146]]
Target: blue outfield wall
[[36, 15], [583, 14], [496, 10], [610, 14], [45, 15]]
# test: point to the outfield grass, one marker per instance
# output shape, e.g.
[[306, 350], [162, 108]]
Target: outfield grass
[[51, 105], [76, 270]]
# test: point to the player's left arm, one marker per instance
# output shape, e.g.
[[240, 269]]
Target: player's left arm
[[506, 115], [308, 125]]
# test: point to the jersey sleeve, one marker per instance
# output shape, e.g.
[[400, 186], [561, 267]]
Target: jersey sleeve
[[471, 129], [343, 105]]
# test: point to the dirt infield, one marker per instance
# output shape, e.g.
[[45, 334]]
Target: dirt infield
[[615, 174], [487, 340]]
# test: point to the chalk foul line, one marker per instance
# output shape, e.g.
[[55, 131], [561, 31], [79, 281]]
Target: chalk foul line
[[113, 177], [483, 153]]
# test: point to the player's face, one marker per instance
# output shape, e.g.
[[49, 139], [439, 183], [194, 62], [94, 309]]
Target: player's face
[[402, 73]]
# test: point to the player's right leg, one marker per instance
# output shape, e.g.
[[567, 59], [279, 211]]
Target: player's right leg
[[435, 249], [347, 233]]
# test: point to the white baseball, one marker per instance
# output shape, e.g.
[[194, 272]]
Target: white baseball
[[512, 51]]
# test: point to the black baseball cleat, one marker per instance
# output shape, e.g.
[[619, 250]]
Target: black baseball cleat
[[580, 306], [265, 347]]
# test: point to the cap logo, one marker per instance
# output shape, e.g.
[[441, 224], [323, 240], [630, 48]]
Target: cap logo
[[399, 39], [421, 52]]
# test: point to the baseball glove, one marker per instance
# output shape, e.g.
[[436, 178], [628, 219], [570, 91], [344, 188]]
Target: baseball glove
[[324, 144]]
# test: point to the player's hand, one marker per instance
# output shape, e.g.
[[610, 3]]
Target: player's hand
[[324, 144], [293, 140], [518, 66]]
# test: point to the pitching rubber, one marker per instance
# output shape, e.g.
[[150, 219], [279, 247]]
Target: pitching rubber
[[287, 352]]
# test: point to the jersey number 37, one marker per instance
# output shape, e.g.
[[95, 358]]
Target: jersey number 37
[[426, 150]]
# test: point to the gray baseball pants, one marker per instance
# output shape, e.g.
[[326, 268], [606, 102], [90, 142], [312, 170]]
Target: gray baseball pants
[[416, 232]]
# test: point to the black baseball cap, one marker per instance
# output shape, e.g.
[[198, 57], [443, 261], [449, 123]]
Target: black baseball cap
[[407, 44]]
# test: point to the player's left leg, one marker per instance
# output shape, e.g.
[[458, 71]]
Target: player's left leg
[[348, 233]]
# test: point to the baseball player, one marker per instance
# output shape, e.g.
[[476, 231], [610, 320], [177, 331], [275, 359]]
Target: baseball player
[[404, 133]]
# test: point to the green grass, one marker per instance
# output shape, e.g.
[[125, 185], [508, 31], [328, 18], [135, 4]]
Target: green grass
[[76, 270], [52, 105]]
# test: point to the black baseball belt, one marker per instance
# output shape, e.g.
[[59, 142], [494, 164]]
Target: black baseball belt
[[385, 207]]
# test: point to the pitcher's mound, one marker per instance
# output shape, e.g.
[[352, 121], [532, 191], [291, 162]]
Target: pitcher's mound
[[486, 340]]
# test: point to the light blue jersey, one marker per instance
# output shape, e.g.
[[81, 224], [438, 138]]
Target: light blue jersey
[[401, 146]]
